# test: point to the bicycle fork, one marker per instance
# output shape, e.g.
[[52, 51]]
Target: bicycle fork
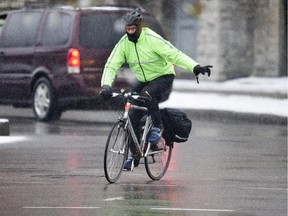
[[140, 147]]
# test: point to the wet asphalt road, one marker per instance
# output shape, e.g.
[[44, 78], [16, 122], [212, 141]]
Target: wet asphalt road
[[225, 169]]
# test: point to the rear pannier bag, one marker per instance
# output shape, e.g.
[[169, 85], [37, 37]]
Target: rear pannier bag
[[177, 126]]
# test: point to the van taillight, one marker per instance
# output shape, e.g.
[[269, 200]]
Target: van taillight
[[73, 61]]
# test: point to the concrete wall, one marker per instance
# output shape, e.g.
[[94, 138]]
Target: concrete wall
[[268, 38], [243, 38]]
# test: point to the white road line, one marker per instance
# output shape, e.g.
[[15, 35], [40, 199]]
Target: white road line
[[95, 207], [187, 209], [263, 188], [114, 198], [150, 185], [60, 207], [26, 182]]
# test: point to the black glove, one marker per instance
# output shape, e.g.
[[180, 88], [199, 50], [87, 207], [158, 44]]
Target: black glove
[[206, 69], [106, 92]]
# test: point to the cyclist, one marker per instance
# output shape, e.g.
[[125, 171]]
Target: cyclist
[[152, 59]]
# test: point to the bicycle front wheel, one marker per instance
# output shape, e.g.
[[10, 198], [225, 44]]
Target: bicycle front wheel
[[157, 162], [116, 151]]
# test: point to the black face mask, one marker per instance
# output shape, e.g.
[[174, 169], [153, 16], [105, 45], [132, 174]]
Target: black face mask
[[133, 37]]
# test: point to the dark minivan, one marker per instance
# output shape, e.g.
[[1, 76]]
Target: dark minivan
[[52, 58]]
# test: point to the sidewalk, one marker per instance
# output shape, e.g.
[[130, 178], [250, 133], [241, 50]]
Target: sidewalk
[[262, 97]]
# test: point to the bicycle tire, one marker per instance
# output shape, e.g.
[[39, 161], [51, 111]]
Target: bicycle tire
[[116, 151], [156, 165]]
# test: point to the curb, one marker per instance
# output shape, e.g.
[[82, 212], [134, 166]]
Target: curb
[[4, 127], [226, 116], [216, 115], [90, 116]]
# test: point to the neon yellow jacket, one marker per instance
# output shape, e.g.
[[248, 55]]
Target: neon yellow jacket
[[149, 58]]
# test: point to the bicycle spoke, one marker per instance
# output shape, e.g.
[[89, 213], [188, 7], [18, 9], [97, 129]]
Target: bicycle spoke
[[157, 162], [115, 152]]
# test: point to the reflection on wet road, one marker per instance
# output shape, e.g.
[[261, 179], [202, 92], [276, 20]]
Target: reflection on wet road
[[225, 169]]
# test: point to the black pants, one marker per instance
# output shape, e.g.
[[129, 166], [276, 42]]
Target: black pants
[[158, 90]]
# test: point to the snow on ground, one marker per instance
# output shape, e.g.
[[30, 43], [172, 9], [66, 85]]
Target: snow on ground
[[230, 102], [236, 103], [10, 139], [247, 85]]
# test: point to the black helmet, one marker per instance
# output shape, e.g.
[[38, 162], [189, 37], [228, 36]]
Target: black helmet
[[133, 18]]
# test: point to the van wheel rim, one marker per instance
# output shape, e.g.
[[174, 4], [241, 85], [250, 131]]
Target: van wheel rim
[[42, 100]]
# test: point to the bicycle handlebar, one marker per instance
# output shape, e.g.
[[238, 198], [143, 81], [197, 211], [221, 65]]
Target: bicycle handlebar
[[130, 95]]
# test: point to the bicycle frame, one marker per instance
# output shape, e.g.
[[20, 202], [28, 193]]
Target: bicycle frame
[[140, 146]]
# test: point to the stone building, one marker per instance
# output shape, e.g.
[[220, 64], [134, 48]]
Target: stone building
[[238, 37], [244, 37]]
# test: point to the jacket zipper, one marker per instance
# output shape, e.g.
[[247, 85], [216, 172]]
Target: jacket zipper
[[139, 63]]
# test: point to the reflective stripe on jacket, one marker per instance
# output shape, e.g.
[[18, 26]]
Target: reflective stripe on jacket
[[149, 58]]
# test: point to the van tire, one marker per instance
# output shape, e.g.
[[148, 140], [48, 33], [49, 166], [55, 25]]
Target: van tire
[[44, 104]]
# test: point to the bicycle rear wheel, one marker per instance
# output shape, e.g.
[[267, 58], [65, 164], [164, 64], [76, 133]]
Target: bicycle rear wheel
[[116, 151], [157, 162]]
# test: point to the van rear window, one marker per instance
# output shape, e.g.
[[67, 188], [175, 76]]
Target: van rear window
[[101, 30], [57, 29]]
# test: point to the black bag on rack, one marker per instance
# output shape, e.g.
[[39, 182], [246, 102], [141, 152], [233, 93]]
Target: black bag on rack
[[177, 126]]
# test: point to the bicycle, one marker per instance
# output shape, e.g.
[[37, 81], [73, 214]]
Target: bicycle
[[117, 145]]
